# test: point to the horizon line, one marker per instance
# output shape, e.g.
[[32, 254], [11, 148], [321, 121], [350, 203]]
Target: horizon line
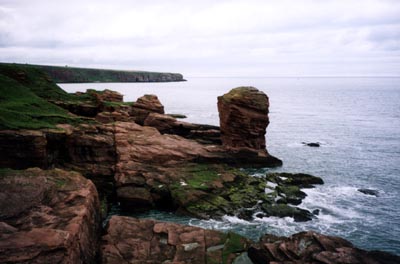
[[301, 76]]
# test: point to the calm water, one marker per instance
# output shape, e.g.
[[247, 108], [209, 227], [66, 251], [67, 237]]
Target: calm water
[[357, 121]]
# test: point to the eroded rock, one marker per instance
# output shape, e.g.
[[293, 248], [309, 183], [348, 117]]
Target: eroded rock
[[244, 118], [147, 241], [48, 216], [311, 247], [145, 105], [243, 114]]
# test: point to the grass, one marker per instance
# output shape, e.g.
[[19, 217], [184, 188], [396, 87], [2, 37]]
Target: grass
[[36, 81], [117, 104], [24, 95]]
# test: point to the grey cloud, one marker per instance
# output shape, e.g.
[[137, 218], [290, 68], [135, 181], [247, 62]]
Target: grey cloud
[[205, 37]]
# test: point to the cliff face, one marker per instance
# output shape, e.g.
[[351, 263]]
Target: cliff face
[[85, 75], [66, 74], [48, 216]]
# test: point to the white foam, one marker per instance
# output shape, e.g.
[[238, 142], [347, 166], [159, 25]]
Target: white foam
[[335, 203], [268, 190], [183, 183], [235, 220]]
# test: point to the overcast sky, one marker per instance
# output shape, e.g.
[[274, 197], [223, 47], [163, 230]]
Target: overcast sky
[[207, 37]]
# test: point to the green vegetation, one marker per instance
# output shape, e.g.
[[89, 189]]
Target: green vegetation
[[209, 204], [201, 175], [240, 94], [24, 92], [117, 104], [6, 171], [234, 244], [35, 80]]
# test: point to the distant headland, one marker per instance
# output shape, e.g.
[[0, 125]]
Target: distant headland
[[66, 74]]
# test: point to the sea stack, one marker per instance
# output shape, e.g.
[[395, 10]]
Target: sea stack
[[243, 114]]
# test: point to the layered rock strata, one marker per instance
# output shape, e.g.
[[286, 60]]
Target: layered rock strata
[[243, 114], [48, 216]]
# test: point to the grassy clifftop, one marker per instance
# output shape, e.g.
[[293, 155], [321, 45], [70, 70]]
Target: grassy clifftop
[[85, 75], [24, 95]]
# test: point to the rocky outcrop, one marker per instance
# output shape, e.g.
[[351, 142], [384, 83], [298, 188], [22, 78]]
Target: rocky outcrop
[[166, 124], [144, 106], [130, 240], [91, 150], [175, 173], [311, 247], [243, 114], [50, 216], [88, 149], [105, 96], [206, 191], [148, 159], [91, 103]]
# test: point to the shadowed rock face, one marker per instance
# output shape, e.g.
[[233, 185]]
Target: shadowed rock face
[[147, 241], [244, 118], [23, 149], [311, 247], [48, 216]]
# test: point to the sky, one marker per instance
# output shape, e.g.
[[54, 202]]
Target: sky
[[254, 38]]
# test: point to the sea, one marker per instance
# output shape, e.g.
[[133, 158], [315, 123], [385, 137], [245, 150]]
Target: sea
[[356, 120]]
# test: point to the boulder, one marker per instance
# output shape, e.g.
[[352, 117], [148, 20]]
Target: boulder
[[48, 216], [145, 105], [311, 247], [149, 102], [130, 240]]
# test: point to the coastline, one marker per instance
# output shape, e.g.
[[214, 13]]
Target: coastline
[[116, 111]]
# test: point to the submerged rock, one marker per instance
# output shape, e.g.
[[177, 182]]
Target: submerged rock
[[146, 241], [369, 192], [311, 247], [178, 116], [48, 216], [312, 144]]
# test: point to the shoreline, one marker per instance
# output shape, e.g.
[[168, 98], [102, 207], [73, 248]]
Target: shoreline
[[90, 150]]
